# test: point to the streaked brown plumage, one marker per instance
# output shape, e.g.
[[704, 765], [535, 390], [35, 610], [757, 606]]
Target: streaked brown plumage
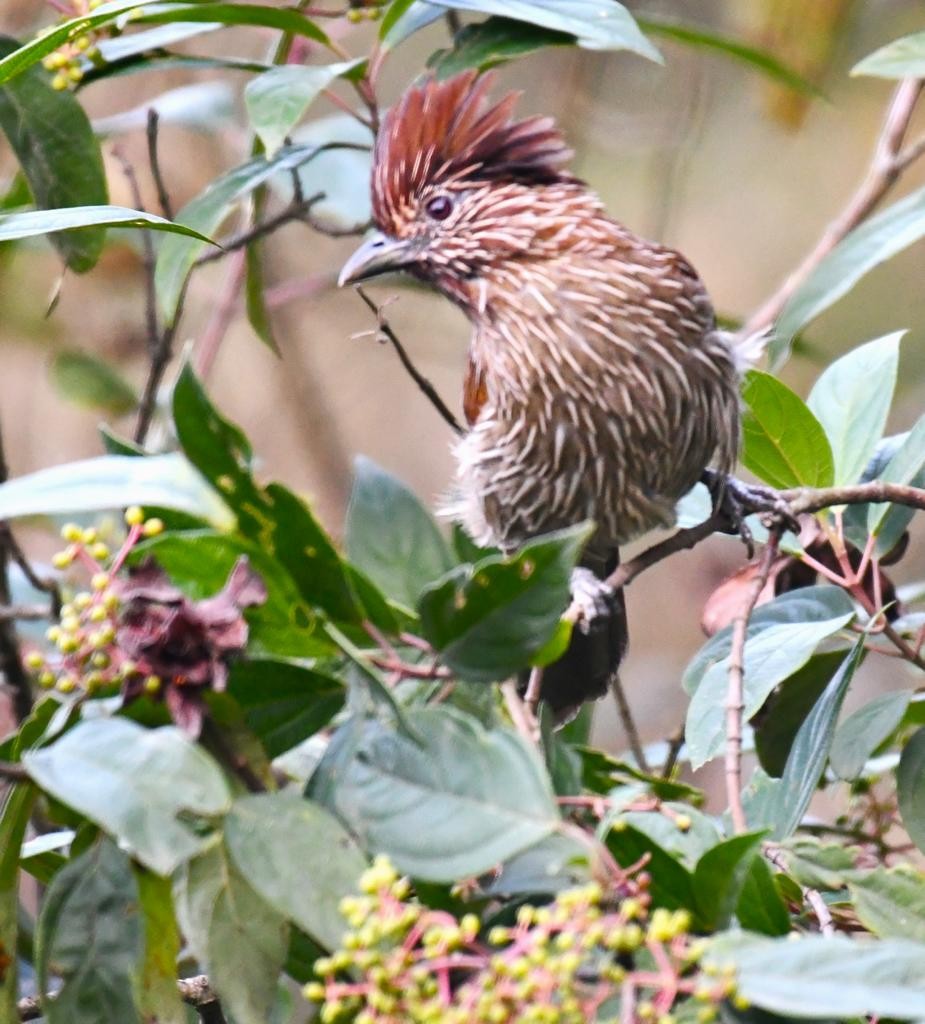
[[598, 385]]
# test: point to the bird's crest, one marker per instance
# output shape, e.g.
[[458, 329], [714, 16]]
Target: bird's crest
[[448, 133]]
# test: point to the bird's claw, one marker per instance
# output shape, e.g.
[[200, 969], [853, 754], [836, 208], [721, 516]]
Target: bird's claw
[[735, 500], [592, 599]]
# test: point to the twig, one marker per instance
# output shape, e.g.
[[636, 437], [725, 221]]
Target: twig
[[195, 992], [425, 385], [12, 772], [814, 499], [12, 669], [811, 896], [675, 743], [525, 722], [534, 690], [735, 700], [626, 720], [295, 211], [888, 163], [163, 196], [25, 613]]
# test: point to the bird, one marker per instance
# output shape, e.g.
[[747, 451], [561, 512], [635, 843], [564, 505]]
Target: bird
[[598, 386]]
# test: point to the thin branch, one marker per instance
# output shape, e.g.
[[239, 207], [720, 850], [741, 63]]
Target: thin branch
[[888, 163], [295, 211], [425, 385], [25, 613], [628, 723], [814, 499], [10, 771], [163, 196], [12, 669], [811, 896], [195, 992], [735, 700], [675, 743]]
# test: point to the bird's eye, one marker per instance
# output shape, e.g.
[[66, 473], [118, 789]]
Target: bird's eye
[[440, 207]]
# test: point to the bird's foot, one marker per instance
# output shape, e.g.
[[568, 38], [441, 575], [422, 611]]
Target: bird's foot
[[734, 500], [593, 600]]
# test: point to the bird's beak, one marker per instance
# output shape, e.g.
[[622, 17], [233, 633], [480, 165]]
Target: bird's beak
[[379, 254]]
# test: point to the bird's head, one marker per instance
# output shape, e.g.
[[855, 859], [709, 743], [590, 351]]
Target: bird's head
[[459, 187]]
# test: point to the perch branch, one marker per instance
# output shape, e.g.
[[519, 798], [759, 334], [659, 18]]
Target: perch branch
[[888, 163], [163, 196], [430, 392]]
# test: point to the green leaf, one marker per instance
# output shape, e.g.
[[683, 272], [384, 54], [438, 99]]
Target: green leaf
[[906, 466], [910, 788], [852, 398], [784, 443], [44, 222], [672, 885], [761, 907], [875, 241], [286, 20], [456, 803], [15, 811], [158, 998], [757, 59], [277, 100], [595, 24], [890, 902], [861, 733], [284, 703], [720, 876], [90, 935], [488, 620], [239, 941], [258, 313], [137, 784], [821, 976], [770, 656], [808, 604], [817, 864], [205, 215], [686, 844], [903, 58], [298, 857], [492, 42], [112, 482], [810, 749], [58, 152], [786, 709], [391, 537], [88, 381]]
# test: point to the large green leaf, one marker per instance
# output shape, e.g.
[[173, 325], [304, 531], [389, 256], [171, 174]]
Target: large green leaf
[[903, 58], [757, 59], [15, 811], [890, 902], [910, 788], [490, 619], [808, 604], [720, 876], [140, 785], [595, 24], [239, 940], [784, 443], [298, 857], [91, 936], [454, 803], [158, 998], [492, 42], [112, 482], [277, 99], [862, 732], [770, 656], [287, 19], [205, 214], [91, 382], [822, 977], [852, 398], [391, 537], [45, 222], [876, 240], [58, 152], [761, 907], [283, 702], [810, 749]]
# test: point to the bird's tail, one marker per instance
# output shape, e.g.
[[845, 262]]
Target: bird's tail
[[595, 652]]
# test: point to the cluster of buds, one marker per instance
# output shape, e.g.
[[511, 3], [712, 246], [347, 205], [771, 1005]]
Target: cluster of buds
[[363, 9], [67, 62], [87, 656], [576, 960]]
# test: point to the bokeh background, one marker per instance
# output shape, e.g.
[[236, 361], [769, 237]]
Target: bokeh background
[[740, 174]]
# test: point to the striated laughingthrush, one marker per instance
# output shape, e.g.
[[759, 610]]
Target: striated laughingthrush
[[598, 386]]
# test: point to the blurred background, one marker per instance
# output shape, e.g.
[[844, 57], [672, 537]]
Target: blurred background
[[704, 154]]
